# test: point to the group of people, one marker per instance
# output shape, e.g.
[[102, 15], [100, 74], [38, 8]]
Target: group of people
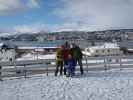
[[67, 57]]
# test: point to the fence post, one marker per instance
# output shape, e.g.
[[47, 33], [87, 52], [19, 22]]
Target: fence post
[[47, 68], [109, 62], [87, 63], [25, 71], [47, 71], [120, 62], [15, 67], [105, 65], [0, 73]]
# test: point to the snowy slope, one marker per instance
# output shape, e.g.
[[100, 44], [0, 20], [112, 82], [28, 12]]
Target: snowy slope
[[113, 85]]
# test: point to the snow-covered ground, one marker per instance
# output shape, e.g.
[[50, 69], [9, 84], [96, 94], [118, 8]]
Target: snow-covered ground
[[30, 56], [110, 85], [114, 84]]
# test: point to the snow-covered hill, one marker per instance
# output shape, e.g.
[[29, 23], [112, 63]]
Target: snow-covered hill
[[112, 85]]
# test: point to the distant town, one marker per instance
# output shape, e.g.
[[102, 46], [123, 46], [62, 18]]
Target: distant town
[[16, 46], [107, 35]]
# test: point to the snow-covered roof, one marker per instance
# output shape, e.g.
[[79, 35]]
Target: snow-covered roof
[[37, 47], [5, 45], [106, 45], [1, 44]]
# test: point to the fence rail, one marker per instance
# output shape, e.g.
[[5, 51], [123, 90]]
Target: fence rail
[[28, 67]]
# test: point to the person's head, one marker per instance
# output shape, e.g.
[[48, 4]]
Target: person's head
[[74, 45], [62, 47], [67, 45], [69, 56], [71, 46]]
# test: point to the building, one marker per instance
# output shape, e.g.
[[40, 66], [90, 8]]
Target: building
[[107, 49], [130, 35], [7, 52], [41, 50]]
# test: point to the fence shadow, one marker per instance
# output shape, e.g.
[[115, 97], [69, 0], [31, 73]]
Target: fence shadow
[[102, 74]]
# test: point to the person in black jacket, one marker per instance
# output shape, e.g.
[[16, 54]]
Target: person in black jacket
[[77, 55]]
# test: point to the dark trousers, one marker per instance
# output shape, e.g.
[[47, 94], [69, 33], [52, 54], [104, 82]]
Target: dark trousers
[[65, 64], [79, 62], [59, 64], [71, 70]]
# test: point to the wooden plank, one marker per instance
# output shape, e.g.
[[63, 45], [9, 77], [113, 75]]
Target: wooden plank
[[52, 70], [42, 66], [46, 66], [48, 61], [26, 62]]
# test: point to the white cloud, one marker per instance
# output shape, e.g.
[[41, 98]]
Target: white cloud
[[75, 26], [97, 14], [13, 6], [33, 3], [33, 28]]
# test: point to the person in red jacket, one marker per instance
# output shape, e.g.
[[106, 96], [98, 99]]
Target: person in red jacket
[[66, 53]]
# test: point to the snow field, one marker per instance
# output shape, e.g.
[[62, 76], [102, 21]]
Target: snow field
[[113, 85]]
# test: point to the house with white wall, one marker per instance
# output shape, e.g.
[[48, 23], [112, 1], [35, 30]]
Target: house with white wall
[[107, 49], [7, 52]]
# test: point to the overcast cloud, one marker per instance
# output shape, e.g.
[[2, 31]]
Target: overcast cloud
[[32, 28], [84, 15], [13, 6], [97, 14]]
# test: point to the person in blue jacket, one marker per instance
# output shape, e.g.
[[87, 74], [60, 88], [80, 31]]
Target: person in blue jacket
[[70, 68]]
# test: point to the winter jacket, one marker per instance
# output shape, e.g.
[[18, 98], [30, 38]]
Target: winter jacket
[[59, 55], [66, 52], [71, 62], [76, 53]]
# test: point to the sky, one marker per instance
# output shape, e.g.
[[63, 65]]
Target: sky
[[65, 15]]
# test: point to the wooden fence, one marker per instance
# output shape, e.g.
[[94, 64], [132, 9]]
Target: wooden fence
[[46, 66]]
